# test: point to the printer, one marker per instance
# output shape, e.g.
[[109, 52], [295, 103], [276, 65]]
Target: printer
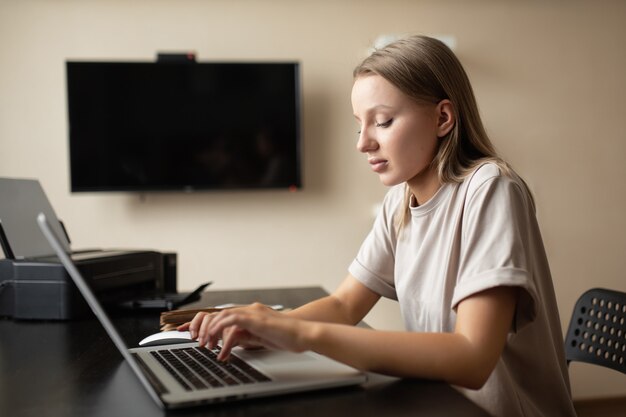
[[35, 285]]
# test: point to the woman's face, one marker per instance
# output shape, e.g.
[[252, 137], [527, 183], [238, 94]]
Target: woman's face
[[399, 136]]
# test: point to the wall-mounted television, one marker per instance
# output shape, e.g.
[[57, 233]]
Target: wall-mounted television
[[164, 126]]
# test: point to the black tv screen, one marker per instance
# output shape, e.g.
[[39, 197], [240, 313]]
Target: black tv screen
[[183, 126]]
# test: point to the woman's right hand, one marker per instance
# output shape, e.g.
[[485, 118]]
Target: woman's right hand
[[199, 325], [251, 326]]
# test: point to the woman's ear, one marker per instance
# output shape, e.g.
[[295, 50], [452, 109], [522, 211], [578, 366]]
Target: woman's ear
[[446, 117]]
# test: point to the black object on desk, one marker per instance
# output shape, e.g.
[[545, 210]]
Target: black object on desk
[[166, 301], [72, 368]]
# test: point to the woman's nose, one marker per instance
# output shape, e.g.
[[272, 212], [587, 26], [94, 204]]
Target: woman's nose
[[366, 142]]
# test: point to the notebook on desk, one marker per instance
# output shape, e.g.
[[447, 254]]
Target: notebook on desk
[[184, 375]]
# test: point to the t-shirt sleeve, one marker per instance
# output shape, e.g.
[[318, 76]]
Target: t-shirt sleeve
[[374, 263], [496, 249]]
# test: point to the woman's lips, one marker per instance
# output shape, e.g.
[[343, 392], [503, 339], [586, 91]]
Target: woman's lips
[[378, 164]]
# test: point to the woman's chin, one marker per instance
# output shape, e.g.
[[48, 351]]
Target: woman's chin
[[389, 182]]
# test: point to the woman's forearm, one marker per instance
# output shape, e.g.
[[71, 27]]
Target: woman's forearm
[[442, 356]]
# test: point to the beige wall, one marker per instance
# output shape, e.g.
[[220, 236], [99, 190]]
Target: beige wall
[[549, 76]]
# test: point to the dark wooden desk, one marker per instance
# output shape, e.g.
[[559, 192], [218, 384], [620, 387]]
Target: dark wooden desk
[[73, 369]]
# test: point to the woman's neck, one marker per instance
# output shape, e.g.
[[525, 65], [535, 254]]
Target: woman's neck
[[424, 185]]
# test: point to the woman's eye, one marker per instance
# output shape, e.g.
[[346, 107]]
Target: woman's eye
[[384, 124]]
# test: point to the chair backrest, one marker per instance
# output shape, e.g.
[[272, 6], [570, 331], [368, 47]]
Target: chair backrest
[[597, 330]]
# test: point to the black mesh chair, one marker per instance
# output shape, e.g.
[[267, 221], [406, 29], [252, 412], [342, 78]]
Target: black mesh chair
[[597, 330]]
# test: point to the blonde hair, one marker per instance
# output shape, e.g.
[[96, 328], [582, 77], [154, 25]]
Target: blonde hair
[[427, 71]]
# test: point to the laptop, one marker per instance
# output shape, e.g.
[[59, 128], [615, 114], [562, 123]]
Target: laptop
[[183, 375], [20, 202]]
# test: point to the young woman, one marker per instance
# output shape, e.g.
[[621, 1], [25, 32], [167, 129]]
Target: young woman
[[456, 243]]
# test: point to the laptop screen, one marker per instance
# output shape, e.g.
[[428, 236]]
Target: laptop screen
[[21, 200]]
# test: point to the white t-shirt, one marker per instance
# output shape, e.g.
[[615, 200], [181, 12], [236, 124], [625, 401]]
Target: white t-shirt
[[469, 237]]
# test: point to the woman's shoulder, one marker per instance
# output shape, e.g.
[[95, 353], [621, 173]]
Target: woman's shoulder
[[500, 179], [491, 172], [484, 173]]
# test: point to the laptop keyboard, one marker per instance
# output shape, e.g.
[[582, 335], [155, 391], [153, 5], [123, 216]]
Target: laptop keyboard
[[198, 368]]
